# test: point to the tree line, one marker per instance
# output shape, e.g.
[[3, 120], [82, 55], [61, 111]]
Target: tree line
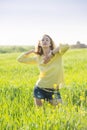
[[12, 49]]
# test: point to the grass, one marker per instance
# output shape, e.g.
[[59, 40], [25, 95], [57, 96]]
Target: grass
[[17, 109]]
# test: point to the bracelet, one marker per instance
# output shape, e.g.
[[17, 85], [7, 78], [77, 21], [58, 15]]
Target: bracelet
[[52, 53]]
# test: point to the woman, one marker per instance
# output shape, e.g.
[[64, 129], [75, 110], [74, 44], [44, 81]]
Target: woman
[[49, 59]]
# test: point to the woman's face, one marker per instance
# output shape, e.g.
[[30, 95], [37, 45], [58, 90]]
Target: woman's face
[[45, 42]]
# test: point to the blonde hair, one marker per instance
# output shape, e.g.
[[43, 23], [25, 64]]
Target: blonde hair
[[39, 49]]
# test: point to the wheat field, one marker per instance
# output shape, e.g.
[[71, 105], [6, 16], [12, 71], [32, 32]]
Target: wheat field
[[17, 109]]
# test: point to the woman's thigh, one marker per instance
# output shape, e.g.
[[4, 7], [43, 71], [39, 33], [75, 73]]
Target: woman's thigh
[[37, 102]]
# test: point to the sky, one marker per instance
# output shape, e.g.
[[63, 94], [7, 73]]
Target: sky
[[24, 22]]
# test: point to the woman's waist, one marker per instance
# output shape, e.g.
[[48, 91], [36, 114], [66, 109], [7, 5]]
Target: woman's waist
[[48, 86], [50, 89]]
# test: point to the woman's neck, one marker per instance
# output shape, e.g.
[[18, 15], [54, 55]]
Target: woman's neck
[[46, 51]]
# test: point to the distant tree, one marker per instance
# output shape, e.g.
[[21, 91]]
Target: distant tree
[[78, 43]]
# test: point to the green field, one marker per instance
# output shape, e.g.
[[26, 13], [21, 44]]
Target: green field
[[17, 109]]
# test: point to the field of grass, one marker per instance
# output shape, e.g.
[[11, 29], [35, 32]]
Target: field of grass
[[17, 109]]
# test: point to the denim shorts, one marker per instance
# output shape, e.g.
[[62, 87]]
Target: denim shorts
[[41, 93]]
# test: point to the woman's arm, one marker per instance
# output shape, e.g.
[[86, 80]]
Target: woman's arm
[[29, 52], [28, 57], [61, 50]]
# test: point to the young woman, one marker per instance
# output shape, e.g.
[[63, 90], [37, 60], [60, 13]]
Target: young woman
[[49, 59]]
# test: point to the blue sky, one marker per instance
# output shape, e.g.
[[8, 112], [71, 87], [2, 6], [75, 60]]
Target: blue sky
[[23, 22]]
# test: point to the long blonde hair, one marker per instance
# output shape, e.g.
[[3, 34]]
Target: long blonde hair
[[39, 49]]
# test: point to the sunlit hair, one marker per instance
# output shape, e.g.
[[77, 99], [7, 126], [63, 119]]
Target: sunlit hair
[[39, 49]]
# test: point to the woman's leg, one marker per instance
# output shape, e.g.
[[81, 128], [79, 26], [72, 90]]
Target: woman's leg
[[38, 96], [55, 101], [37, 102]]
